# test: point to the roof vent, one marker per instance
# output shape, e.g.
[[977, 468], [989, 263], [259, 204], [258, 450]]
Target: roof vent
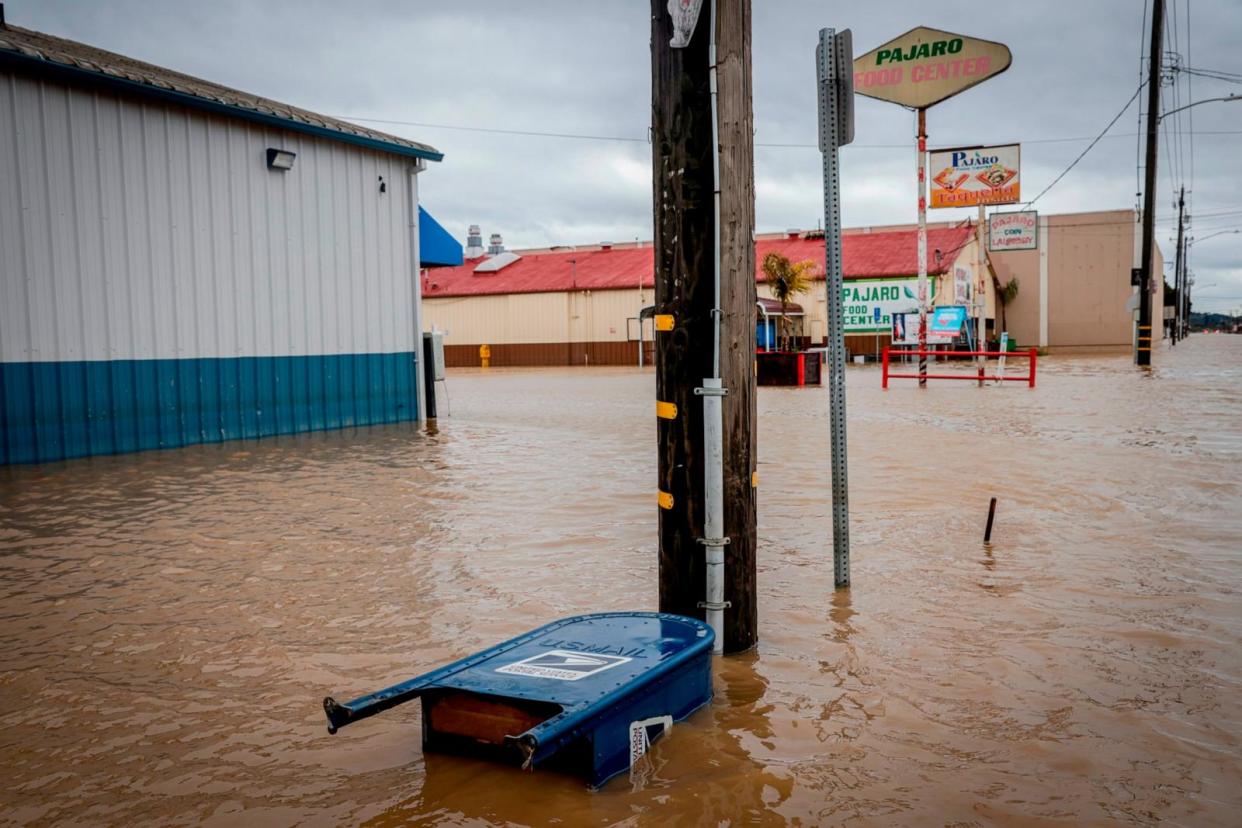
[[496, 263], [474, 242], [496, 245]]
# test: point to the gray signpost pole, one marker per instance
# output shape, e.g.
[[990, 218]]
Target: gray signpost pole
[[836, 128]]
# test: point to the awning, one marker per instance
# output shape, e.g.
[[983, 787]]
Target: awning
[[772, 307], [436, 246]]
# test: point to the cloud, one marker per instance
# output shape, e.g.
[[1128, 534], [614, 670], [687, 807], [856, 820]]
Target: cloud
[[584, 67]]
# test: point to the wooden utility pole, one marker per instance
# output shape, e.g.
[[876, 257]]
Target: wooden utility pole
[[685, 242], [1177, 267], [1142, 336]]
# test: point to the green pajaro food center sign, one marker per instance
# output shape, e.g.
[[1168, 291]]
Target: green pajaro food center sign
[[924, 66], [869, 304]]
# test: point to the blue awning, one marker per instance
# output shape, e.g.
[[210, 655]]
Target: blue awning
[[436, 246]]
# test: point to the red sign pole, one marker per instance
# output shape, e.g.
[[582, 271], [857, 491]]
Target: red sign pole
[[922, 150]]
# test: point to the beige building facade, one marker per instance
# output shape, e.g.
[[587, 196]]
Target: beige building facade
[[1073, 293]]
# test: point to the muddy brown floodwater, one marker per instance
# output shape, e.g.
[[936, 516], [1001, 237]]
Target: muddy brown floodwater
[[169, 621]]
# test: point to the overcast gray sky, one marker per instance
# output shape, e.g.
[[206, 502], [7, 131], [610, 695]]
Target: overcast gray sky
[[583, 67]]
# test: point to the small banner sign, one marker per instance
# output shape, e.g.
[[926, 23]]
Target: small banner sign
[[1013, 231], [946, 320], [906, 331], [925, 66], [970, 176]]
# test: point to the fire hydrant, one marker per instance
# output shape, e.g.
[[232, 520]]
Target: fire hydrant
[[485, 356]]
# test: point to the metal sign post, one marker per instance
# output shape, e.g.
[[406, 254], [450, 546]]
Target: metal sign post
[[981, 291], [921, 140], [836, 128], [920, 69]]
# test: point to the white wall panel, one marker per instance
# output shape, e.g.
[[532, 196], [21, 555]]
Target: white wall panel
[[131, 230]]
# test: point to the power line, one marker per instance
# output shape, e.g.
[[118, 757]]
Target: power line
[[1083, 154], [1190, 93], [1217, 213], [496, 131], [1228, 77], [1173, 42], [769, 145]]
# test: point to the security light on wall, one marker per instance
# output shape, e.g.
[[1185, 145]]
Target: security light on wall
[[278, 159]]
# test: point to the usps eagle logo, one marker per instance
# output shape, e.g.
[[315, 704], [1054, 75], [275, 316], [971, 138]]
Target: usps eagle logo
[[563, 665]]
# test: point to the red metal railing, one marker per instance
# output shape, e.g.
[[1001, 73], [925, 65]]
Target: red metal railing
[[979, 377]]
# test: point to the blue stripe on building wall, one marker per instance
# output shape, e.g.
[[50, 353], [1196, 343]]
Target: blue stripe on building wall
[[56, 410]]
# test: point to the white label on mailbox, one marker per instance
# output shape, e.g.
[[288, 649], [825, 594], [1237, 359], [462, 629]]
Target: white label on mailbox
[[640, 742], [563, 665]]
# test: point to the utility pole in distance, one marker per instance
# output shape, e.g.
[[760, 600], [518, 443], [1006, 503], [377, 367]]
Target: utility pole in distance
[[1177, 267], [1142, 337], [692, 228]]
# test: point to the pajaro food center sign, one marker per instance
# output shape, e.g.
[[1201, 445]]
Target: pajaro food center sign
[[869, 304], [925, 66]]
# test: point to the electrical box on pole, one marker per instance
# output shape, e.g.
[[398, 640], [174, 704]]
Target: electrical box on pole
[[834, 59]]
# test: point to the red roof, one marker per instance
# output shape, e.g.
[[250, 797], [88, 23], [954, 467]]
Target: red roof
[[891, 253]]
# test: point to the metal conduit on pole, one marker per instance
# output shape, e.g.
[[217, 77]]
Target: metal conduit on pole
[[711, 391]]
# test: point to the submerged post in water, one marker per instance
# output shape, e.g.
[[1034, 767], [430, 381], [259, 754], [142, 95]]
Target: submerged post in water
[[836, 128]]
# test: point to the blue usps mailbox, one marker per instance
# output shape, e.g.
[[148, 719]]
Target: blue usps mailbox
[[586, 693]]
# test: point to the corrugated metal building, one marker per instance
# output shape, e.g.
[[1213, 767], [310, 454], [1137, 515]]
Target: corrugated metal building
[[166, 278]]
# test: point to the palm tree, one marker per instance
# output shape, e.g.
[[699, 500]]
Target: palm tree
[[1006, 293], [786, 280]]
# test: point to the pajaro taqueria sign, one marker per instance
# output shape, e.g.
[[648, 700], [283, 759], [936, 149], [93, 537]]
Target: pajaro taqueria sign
[[970, 176]]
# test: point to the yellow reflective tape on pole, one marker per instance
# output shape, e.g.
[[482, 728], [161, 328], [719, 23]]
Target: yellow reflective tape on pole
[[665, 500], [754, 480], [666, 410], [663, 321]]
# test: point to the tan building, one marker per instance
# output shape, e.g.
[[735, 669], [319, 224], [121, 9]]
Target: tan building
[[1074, 289], [581, 305]]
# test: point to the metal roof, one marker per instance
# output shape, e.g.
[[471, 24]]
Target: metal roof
[[79, 63], [865, 255]]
